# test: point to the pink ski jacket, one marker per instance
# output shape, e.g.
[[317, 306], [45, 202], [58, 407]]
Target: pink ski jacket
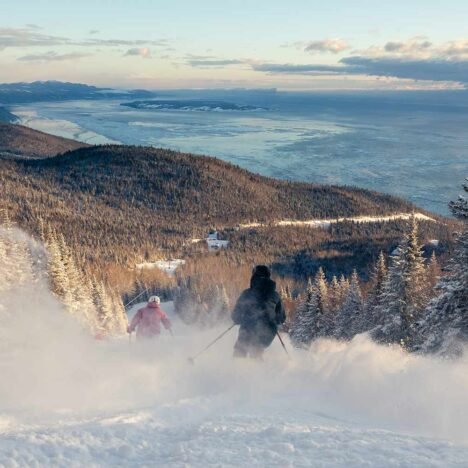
[[148, 320]]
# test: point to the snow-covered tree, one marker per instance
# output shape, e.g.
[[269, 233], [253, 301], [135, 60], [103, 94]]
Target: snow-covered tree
[[344, 286], [322, 291], [371, 315], [103, 305], [58, 278], [335, 295], [445, 325], [404, 292], [349, 318], [301, 330], [433, 271], [313, 318], [16, 263]]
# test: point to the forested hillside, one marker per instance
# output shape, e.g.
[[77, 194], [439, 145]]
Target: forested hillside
[[117, 206], [120, 202], [24, 141]]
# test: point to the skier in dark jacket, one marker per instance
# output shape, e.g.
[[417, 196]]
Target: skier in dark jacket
[[258, 311]]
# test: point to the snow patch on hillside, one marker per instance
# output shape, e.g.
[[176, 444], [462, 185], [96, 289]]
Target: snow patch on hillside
[[324, 223], [168, 266]]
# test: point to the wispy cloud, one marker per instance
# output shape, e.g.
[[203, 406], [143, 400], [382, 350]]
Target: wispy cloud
[[30, 36], [52, 57], [144, 52], [214, 63], [333, 46], [27, 37]]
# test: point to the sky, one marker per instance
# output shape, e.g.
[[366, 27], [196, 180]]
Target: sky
[[291, 45]]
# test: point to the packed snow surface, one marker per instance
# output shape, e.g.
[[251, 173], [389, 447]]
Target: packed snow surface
[[168, 266], [67, 400], [324, 223]]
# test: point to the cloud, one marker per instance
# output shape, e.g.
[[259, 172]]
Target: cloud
[[407, 47], [333, 46], [94, 31], [29, 36], [416, 59], [213, 63], [143, 52], [121, 42], [419, 48], [292, 69], [422, 69], [52, 57]]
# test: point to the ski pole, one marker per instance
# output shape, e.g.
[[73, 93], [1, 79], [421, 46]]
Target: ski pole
[[192, 359], [135, 298], [282, 344]]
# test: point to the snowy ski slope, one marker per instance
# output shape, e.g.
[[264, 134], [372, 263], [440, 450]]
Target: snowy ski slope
[[68, 401]]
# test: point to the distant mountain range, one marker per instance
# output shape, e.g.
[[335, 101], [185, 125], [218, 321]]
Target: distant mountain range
[[22, 93]]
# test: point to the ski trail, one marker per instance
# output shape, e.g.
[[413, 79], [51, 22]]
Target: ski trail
[[68, 400], [323, 223]]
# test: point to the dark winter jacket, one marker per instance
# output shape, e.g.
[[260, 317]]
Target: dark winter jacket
[[259, 311]]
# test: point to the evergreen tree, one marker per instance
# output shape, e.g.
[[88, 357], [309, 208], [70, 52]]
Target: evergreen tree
[[371, 316], [433, 271], [344, 286], [445, 325], [58, 277], [404, 293], [301, 331], [322, 292], [349, 317], [16, 263], [335, 296]]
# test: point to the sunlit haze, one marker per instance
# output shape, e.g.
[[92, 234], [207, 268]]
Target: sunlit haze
[[296, 45]]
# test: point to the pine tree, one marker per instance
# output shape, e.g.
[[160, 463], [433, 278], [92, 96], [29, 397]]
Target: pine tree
[[322, 291], [301, 331], [404, 293], [433, 271], [16, 263], [103, 304], [119, 316], [349, 317], [58, 277], [81, 304], [445, 325], [344, 286], [335, 295], [371, 317]]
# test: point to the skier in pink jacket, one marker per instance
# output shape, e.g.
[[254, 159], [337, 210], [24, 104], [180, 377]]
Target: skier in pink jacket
[[148, 320]]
